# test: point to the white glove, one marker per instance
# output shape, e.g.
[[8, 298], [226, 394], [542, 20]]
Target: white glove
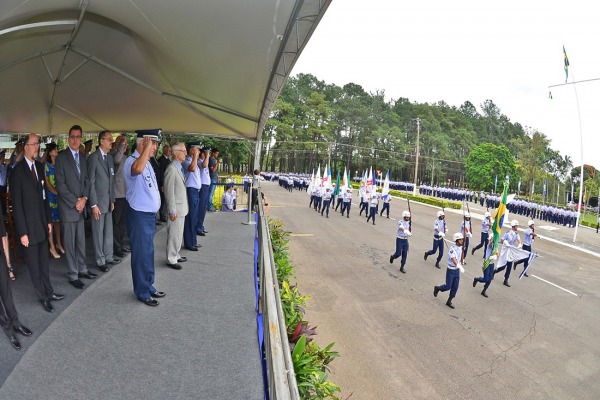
[[442, 234], [408, 233], [461, 268], [469, 234], [494, 257]]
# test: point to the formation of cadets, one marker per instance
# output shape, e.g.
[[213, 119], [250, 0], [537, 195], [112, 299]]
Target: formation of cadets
[[322, 199]]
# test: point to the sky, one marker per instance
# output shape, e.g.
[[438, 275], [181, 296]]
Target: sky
[[507, 51]]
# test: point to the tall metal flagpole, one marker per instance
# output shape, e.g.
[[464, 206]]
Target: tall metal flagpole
[[418, 121], [581, 154]]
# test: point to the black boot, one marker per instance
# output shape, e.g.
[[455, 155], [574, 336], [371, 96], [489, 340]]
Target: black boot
[[425, 256], [437, 264], [449, 303], [402, 269], [392, 259], [506, 283], [472, 251], [483, 293], [436, 290], [474, 282]]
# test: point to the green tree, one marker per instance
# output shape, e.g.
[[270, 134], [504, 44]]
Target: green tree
[[487, 161]]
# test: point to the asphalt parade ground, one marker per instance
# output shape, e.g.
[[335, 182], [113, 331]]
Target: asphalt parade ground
[[537, 339]]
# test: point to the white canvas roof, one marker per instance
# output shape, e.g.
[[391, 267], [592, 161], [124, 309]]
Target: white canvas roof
[[186, 66]]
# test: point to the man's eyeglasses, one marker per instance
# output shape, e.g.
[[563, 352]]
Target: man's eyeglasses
[[74, 137], [32, 144]]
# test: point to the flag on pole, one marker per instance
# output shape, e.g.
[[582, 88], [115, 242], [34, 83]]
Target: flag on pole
[[544, 193], [336, 192], [385, 192], [519, 186], [566, 65], [344, 181], [533, 188], [550, 95], [499, 216], [326, 182]]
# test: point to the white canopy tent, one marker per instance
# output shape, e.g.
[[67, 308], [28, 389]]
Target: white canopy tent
[[187, 66]]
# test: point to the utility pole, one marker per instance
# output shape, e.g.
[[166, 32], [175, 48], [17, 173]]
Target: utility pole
[[418, 121]]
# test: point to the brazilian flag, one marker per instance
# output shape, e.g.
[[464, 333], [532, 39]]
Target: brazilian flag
[[498, 222]]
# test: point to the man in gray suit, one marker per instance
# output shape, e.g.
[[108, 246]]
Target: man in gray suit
[[120, 210], [101, 176], [70, 173], [176, 204]]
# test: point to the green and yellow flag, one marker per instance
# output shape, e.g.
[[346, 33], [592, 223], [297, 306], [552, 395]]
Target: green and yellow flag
[[498, 222], [566, 65]]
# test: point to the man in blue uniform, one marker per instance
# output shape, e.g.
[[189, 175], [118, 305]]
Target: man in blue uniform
[[465, 229], [402, 234], [454, 270], [439, 231], [144, 201], [488, 272], [512, 238], [193, 183], [486, 224], [528, 239]]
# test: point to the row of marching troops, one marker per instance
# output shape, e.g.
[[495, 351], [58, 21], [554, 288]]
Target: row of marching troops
[[321, 199]]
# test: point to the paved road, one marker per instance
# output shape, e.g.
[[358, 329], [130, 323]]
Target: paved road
[[531, 341]]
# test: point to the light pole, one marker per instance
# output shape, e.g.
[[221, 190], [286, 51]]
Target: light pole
[[418, 121]]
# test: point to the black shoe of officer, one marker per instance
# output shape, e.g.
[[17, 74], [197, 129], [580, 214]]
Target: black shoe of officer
[[402, 269], [436, 290], [474, 282], [483, 293], [425, 256], [437, 264], [392, 259], [473, 252], [506, 283], [449, 303]]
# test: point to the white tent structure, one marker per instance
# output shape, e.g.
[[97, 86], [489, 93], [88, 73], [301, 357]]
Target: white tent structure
[[187, 66]]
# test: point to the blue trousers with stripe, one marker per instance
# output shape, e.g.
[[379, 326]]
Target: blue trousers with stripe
[[141, 227]]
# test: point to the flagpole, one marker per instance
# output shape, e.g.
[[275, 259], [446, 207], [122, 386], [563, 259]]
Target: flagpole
[[581, 154]]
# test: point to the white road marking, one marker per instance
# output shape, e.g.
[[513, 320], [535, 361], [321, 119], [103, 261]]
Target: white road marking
[[553, 284]]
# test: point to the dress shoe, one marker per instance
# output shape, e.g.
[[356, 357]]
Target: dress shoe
[[77, 284], [392, 259], [182, 259], [56, 297], [14, 342], [204, 231], [119, 254], [449, 304], [158, 295], [197, 245], [506, 283], [126, 250], [151, 302], [174, 266], [425, 256], [23, 331], [103, 268], [47, 305], [86, 276], [201, 234], [473, 252], [436, 290], [474, 282], [115, 261], [191, 248]]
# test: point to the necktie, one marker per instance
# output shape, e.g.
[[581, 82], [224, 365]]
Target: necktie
[[33, 172], [104, 156], [77, 163]]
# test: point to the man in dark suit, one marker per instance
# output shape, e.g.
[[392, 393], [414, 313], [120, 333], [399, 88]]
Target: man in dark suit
[[121, 206], [31, 215], [163, 162], [101, 176], [70, 174], [9, 319]]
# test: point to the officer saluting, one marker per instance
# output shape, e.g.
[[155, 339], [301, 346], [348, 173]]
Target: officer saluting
[[402, 235], [439, 231], [144, 201], [454, 269]]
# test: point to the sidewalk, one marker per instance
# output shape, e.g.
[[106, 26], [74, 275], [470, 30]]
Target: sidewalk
[[200, 342]]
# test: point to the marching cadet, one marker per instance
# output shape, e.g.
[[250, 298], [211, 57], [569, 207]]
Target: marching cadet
[[374, 203], [488, 272], [347, 202], [486, 224], [318, 198], [512, 238], [386, 205], [439, 231], [364, 202], [528, 239], [465, 229], [402, 234], [453, 271], [326, 201]]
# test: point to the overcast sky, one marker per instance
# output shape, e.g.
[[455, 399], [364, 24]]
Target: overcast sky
[[507, 51]]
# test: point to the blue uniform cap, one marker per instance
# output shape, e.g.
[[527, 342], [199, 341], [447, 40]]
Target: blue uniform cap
[[155, 134]]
